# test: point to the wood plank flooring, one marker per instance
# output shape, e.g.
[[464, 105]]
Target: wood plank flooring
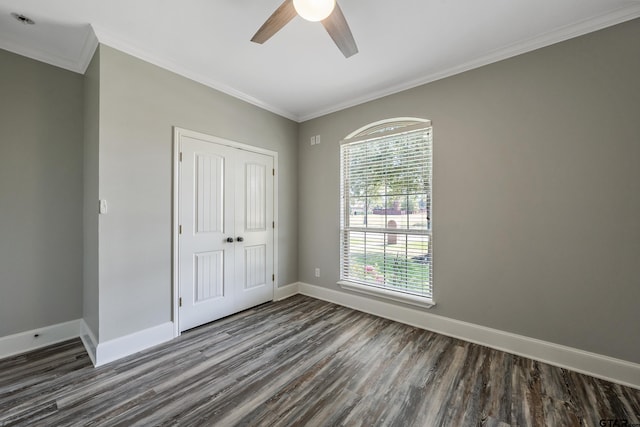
[[305, 362]]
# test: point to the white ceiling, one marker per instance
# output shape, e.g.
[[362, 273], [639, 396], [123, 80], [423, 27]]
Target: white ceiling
[[300, 73]]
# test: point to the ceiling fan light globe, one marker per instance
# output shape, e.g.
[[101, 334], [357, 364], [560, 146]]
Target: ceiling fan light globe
[[314, 10]]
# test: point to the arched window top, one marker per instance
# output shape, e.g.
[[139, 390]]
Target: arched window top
[[387, 127]]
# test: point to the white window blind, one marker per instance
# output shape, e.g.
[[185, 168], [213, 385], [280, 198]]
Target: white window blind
[[386, 177]]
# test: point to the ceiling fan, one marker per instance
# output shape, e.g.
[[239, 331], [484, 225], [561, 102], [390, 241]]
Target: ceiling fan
[[326, 11]]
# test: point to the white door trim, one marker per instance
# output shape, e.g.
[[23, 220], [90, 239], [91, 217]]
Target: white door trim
[[178, 133]]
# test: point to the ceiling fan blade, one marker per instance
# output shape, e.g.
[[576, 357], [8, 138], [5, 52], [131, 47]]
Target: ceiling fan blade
[[337, 27], [285, 13]]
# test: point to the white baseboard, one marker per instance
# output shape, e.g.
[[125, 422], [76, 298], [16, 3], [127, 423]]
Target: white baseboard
[[40, 337], [88, 340], [118, 348], [286, 291], [595, 365]]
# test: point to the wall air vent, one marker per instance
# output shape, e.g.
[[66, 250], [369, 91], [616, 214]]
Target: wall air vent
[[24, 19]]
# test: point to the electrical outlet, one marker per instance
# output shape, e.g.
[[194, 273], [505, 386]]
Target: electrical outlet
[[317, 272]]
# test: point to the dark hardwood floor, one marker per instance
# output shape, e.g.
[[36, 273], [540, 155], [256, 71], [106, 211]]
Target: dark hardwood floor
[[303, 361]]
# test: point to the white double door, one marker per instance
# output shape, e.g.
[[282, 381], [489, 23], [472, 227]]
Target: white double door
[[225, 254]]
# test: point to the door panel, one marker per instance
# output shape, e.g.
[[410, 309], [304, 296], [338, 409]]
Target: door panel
[[225, 194], [255, 266], [206, 211], [254, 255], [209, 176], [209, 276], [255, 193]]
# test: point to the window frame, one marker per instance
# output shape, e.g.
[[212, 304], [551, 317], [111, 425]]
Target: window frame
[[375, 131]]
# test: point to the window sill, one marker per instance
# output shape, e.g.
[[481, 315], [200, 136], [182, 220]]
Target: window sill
[[414, 300]]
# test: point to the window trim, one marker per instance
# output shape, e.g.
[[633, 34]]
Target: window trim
[[389, 294], [376, 130], [374, 133]]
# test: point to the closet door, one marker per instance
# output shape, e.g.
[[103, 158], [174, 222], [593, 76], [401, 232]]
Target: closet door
[[225, 254], [254, 229]]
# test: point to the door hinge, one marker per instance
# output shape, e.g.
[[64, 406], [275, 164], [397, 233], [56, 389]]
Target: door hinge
[[274, 172], [179, 229], [273, 277], [180, 302], [273, 224], [180, 156]]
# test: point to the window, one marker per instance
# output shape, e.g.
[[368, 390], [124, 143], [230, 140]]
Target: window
[[386, 245]]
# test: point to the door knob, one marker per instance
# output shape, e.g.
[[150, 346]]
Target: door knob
[[229, 239], [240, 239]]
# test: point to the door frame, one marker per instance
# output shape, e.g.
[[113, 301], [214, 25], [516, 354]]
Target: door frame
[[178, 133]]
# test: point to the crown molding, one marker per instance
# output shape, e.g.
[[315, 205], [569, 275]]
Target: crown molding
[[98, 35], [111, 40], [556, 36], [41, 56], [77, 65], [88, 49]]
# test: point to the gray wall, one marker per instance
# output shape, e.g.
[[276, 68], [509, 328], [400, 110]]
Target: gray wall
[[40, 194], [90, 295], [139, 104], [536, 199]]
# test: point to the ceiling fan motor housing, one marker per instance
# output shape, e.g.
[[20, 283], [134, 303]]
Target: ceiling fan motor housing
[[314, 10]]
